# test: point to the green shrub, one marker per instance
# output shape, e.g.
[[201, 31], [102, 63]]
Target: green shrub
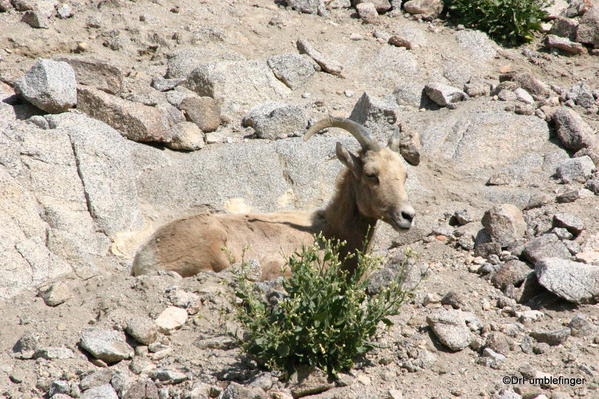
[[507, 21], [325, 318]]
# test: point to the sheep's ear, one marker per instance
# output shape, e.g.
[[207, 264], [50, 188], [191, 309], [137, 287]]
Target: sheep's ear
[[352, 162], [393, 143]]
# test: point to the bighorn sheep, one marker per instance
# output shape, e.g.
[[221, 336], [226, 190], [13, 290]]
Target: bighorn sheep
[[371, 187]]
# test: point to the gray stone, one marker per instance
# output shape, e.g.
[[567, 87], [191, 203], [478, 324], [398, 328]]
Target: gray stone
[[49, 85], [164, 84], [104, 162], [574, 281], [137, 122], [582, 95], [64, 11], [53, 353], [96, 73], [96, 378], [564, 44], [56, 293], [477, 44], [236, 85], [529, 82], [325, 62], [444, 95], [562, 234], [142, 329], [568, 221], [477, 89], [107, 345], [274, 120], [166, 376], [145, 389], [512, 272], [524, 96], [451, 327], [552, 337], [203, 111], [392, 65], [183, 61], [379, 115], [101, 392], [292, 69], [400, 41], [545, 246], [571, 129], [426, 8], [187, 136], [237, 391], [410, 145], [171, 318], [504, 223], [565, 27], [367, 12], [588, 29], [581, 327], [410, 93], [381, 6], [576, 170], [307, 6], [36, 19], [593, 184]]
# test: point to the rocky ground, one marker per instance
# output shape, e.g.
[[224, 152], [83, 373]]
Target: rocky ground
[[117, 116]]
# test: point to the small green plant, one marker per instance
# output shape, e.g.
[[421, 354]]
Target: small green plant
[[511, 22], [324, 319]]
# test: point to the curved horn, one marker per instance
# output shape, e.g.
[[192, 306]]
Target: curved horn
[[358, 131]]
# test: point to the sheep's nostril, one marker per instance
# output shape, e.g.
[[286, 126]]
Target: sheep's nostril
[[407, 215]]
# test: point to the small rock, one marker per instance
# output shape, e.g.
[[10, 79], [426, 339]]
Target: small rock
[[102, 392], [54, 353], [576, 170], [137, 122], [454, 300], [146, 389], [367, 12], [274, 120], [504, 224], [328, 65], [107, 345], [477, 89], [451, 327], [377, 114], [524, 96], [553, 338], [565, 27], [581, 327], [49, 85], [574, 281], [582, 95], [142, 329], [593, 185], [163, 84], [203, 111], [292, 69], [427, 8], [237, 391], [568, 221], [96, 378], [399, 41], [588, 28], [460, 218], [187, 136], [545, 246], [529, 316], [506, 95], [64, 11], [96, 73], [36, 19], [568, 196], [171, 318], [166, 376], [573, 132], [564, 44], [56, 294], [562, 234], [395, 394], [510, 273], [444, 95], [307, 6]]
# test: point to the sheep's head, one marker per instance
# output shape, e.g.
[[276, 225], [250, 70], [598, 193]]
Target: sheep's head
[[379, 174]]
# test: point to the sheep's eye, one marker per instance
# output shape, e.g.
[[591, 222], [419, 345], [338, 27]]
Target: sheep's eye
[[372, 177]]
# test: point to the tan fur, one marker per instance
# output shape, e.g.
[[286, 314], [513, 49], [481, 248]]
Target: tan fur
[[211, 242]]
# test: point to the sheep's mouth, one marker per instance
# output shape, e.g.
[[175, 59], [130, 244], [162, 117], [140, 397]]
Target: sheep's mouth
[[400, 224]]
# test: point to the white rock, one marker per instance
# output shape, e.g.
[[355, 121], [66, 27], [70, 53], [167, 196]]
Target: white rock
[[171, 318]]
